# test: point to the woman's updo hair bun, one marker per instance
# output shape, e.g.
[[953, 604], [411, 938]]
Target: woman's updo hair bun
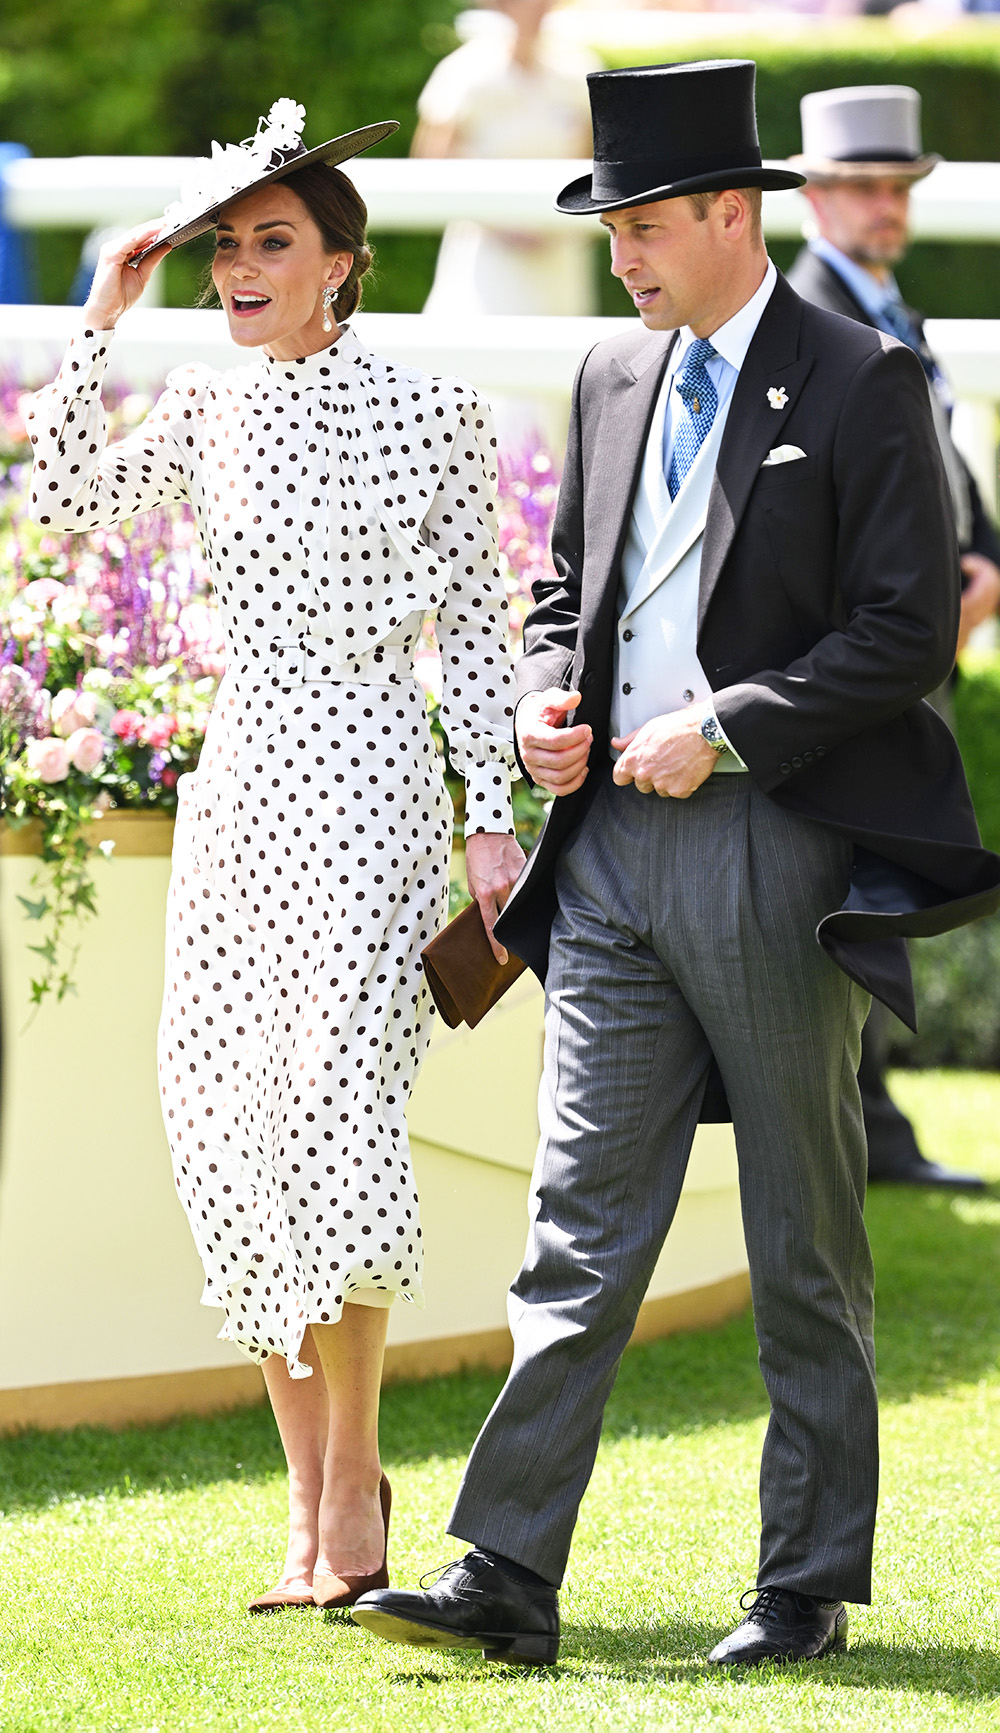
[[341, 215]]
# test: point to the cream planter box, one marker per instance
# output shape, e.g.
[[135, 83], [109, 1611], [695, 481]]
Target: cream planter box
[[99, 1280]]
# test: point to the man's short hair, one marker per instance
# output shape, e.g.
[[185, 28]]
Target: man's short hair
[[701, 204]]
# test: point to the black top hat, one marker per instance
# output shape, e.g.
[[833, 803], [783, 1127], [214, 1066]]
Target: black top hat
[[663, 131]]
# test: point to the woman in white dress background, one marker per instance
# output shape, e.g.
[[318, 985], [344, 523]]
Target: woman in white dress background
[[510, 91], [339, 500]]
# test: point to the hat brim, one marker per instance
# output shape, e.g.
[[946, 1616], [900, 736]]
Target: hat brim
[[828, 170], [333, 153], [577, 199]]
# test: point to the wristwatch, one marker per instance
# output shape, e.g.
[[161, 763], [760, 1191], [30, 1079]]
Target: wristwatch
[[712, 733]]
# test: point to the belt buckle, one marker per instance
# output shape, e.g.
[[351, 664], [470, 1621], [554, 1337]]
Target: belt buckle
[[288, 665]]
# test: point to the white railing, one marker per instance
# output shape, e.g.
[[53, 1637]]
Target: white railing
[[505, 352], [509, 354], [958, 202]]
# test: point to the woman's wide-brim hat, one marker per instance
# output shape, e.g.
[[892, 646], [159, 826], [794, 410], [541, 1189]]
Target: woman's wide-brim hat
[[661, 132], [275, 151], [863, 132]]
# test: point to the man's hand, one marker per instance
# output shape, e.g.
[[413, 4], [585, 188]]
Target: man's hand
[[980, 596], [667, 755], [554, 755], [493, 865]]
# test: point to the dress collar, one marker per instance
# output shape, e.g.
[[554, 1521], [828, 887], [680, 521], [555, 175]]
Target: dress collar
[[327, 366]]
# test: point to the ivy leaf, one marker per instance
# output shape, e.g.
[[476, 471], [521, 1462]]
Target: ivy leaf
[[47, 952], [35, 911], [82, 898]]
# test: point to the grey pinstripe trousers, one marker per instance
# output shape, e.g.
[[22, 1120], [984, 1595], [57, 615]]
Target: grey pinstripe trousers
[[687, 928]]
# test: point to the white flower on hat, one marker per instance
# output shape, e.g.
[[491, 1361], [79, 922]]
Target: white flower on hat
[[232, 168], [285, 120]]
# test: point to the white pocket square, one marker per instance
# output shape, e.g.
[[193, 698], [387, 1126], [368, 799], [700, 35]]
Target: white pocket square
[[782, 454]]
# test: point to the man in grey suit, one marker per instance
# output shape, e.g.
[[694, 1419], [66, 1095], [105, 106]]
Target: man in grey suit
[[721, 684], [861, 155]]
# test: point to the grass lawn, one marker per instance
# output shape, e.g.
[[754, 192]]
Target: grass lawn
[[128, 1558]]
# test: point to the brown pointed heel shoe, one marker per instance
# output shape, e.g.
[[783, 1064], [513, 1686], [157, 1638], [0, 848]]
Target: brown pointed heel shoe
[[330, 1591], [276, 1600]]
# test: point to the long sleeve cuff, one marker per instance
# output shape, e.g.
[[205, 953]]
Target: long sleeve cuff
[[84, 363], [487, 798], [80, 377], [725, 736]]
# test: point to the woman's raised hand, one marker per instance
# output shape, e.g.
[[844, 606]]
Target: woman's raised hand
[[117, 285]]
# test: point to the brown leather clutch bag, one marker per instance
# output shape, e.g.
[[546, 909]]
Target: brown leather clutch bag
[[463, 975]]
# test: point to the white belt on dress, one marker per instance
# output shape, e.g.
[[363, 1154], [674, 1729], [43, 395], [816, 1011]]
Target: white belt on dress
[[308, 662]]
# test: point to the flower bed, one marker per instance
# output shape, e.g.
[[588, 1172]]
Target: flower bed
[[111, 657]]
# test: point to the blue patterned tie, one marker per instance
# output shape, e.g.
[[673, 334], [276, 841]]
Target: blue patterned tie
[[701, 400]]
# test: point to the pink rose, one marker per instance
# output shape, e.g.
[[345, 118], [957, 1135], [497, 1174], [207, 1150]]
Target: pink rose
[[42, 591], [126, 724], [48, 759], [72, 710], [158, 731], [86, 749]]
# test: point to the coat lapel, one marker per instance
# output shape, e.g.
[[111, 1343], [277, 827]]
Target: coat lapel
[[617, 452], [753, 429]]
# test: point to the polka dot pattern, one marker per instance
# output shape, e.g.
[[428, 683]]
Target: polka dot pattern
[[339, 500]]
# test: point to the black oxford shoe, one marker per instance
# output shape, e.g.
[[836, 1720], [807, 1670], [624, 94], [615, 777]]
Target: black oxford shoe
[[473, 1605], [783, 1626], [920, 1171]]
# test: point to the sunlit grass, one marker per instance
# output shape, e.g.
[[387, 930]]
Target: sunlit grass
[[127, 1559]]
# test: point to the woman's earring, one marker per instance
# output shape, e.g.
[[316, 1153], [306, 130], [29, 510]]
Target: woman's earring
[[329, 297]]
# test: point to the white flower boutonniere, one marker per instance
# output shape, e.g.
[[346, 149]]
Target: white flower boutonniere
[[777, 396]]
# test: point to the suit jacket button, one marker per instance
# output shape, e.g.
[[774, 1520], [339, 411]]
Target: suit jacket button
[[808, 757], [588, 680], [820, 751], [626, 688], [786, 770], [628, 636], [796, 764]]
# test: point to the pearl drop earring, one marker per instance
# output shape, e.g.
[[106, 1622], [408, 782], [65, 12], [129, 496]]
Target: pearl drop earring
[[329, 298]]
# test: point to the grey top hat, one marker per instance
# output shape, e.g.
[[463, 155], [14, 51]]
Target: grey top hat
[[863, 131]]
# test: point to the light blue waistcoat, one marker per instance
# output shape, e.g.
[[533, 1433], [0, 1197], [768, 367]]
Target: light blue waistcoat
[[659, 661]]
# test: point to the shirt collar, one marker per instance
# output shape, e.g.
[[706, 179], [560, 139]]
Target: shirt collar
[[874, 296], [327, 365], [733, 339]]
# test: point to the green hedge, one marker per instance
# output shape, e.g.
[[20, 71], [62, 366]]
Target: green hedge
[[957, 976], [958, 75], [166, 76], [137, 76]]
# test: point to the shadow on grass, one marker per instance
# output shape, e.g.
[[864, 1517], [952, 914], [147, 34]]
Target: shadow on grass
[[674, 1652], [938, 1324]]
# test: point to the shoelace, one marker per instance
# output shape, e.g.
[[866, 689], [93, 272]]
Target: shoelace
[[767, 1603], [432, 1577]]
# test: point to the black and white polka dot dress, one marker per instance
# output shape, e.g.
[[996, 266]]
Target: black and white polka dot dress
[[340, 500]]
